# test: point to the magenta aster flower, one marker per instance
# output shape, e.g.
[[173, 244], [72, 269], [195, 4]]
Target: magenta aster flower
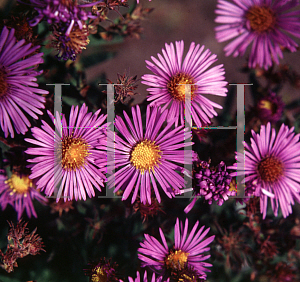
[[57, 11], [145, 278], [146, 156], [186, 252], [19, 191], [263, 23], [272, 168], [171, 75], [270, 108], [18, 90], [68, 154]]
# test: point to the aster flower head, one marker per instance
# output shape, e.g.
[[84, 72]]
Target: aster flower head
[[65, 156], [103, 271], [19, 191], [264, 24], [187, 252], [72, 44], [69, 12], [272, 168], [18, 90], [168, 83], [140, 278], [142, 157], [212, 184], [270, 108]]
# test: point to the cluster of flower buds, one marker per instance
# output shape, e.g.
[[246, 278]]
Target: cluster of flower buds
[[211, 183]]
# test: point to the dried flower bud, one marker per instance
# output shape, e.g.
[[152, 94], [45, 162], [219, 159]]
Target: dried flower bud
[[21, 244]]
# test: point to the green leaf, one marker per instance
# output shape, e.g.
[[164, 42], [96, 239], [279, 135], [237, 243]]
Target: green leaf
[[96, 40]]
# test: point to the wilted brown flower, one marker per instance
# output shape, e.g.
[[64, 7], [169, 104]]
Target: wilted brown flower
[[61, 206], [20, 244], [129, 25], [147, 210], [268, 248], [101, 9], [235, 247], [126, 87]]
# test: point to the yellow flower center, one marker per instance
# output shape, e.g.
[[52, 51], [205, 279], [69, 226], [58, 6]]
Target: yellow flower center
[[176, 260], [3, 83], [74, 152], [177, 86], [99, 276], [19, 184], [76, 41], [270, 169], [265, 104], [145, 155], [261, 18], [232, 186]]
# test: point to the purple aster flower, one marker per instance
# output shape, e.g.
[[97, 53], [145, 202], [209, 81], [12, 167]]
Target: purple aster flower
[[57, 11], [168, 83], [18, 90], [186, 252], [19, 191], [263, 23], [212, 184], [145, 278], [69, 46], [145, 157], [68, 154], [272, 167], [270, 108]]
